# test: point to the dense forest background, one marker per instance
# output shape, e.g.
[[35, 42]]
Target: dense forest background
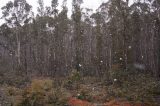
[[118, 36], [109, 57]]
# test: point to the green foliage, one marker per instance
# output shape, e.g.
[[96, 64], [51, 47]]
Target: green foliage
[[134, 85], [57, 98], [84, 94], [18, 15], [75, 76], [35, 94], [73, 80], [41, 92]]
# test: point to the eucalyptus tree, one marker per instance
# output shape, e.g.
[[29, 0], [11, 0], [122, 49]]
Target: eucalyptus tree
[[17, 14], [106, 50], [157, 37], [156, 8], [46, 24], [41, 8], [99, 41], [54, 4], [60, 25], [136, 29], [117, 30], [89, 42], [78, 33], [144, 41], [63, 27]]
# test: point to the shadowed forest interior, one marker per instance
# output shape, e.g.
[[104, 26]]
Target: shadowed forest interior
[[112, 55]]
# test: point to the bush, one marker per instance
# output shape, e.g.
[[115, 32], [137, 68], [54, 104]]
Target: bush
[[13, 91], [84, 94], [74, 76], [42, 92], [35, 94], [73, 80], [57, 98], [40, 85], [133, 85]]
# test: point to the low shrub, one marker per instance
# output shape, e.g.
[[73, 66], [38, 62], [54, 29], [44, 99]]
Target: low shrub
[[133, 85], [42, 92], [73, 80]]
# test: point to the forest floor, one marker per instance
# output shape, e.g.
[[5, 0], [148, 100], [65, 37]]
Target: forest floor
[[95, 96], [127, 89]]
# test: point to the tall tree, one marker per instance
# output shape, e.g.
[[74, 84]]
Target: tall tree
[[156, 6], [99, 41], [16, 14], [78, 31], [41, 8], [54, 4]]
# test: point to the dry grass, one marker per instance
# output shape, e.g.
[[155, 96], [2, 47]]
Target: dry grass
[[48, 92]]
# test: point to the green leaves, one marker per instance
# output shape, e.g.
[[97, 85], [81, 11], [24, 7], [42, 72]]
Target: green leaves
[[16, 12], [54, 3]]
